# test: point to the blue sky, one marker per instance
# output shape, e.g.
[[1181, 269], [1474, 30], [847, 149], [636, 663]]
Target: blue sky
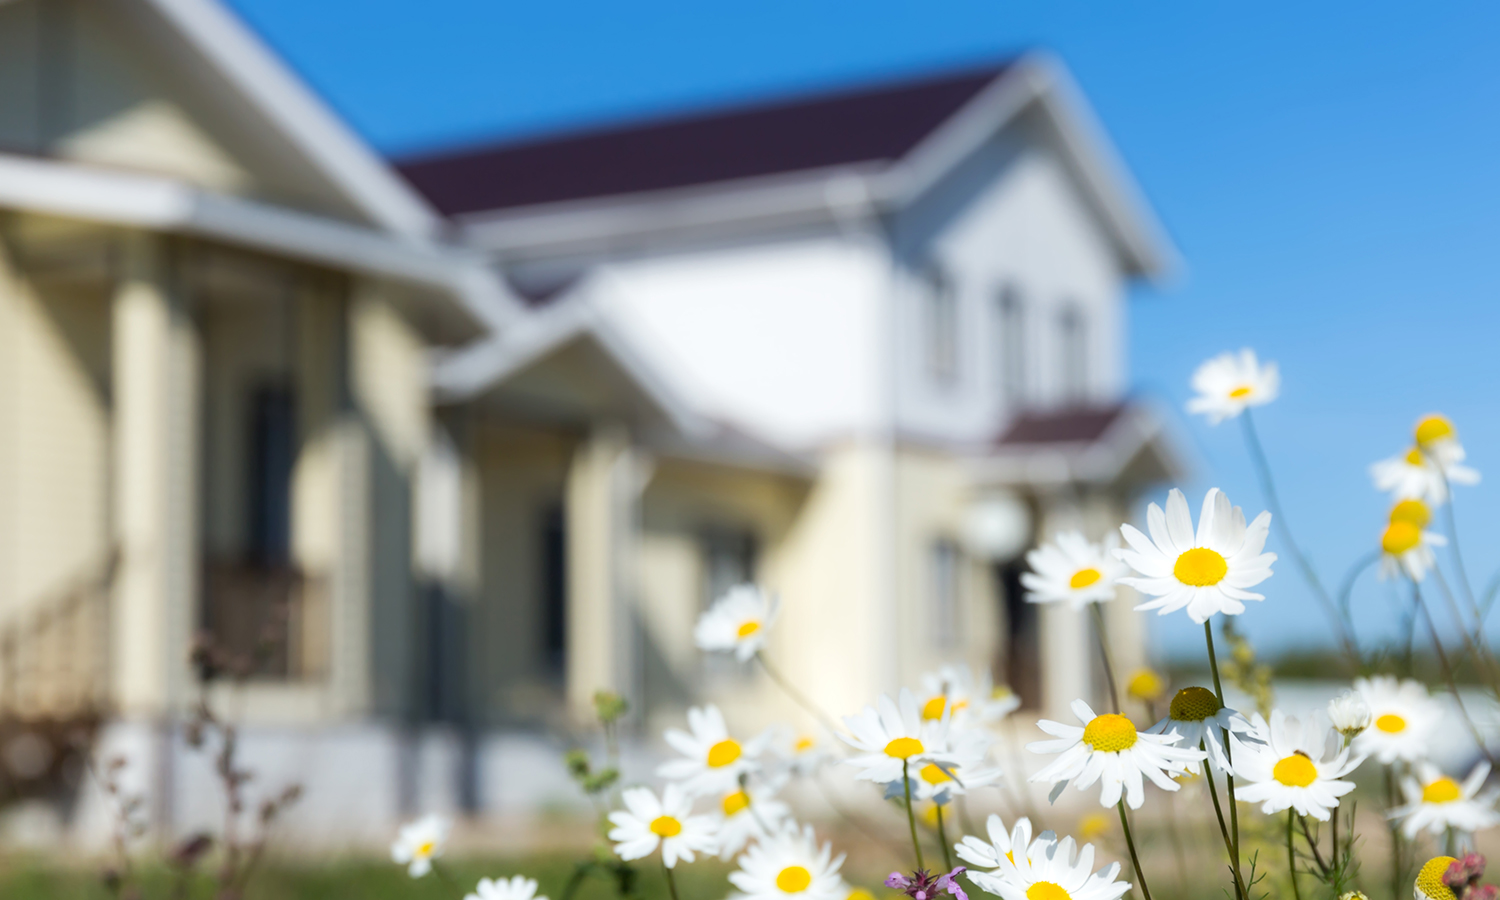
[[1329, 172]]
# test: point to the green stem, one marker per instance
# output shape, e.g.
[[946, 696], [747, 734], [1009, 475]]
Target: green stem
[[1234, 812], [671, 882], [1135, 860], [1213, 792], [1109, 669], [911, 817], [1437, 646], [943, 837], [1291, 854], [797, 696], [1390, 803]]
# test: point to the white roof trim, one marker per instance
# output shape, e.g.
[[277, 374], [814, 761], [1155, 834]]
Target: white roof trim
[[281, 97], [164, 204], [1136, 430]]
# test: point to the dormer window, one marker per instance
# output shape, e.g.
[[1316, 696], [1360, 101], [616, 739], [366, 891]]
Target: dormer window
[[1072, 355], [940, 326]]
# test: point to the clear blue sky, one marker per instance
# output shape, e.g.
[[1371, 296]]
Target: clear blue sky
[[1328, 170]]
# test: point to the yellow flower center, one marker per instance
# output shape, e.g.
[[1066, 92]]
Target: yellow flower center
[[1430, 879], [1295, 771], [793, 879], [425, 848], [1413, 511], [1001, 692], [1400, 537], [932, 773], [903, 748], [1241, 391], [748, 628], [933, 709], [666, 826], [1145, 685], [1201, 567], [1444, 790], [804, 744], [1047, 890], [1085, 577], [1092, 826], [859, 894], [1414, 457], [1194, 704], [1391, 723], [1432, 429], [735, 802], [1109, 733], [723, 753]]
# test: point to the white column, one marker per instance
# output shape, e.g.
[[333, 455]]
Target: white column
[[155, 380]]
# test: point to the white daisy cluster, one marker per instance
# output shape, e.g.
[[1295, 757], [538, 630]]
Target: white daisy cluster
[[1014, 866]]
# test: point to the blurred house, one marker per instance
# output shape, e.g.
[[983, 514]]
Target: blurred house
[[435, 450]]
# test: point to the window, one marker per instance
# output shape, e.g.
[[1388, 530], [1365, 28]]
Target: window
[[946, 562], [272, 450], [941, 327], [1010, 345], [728, 560], [1072, 355]]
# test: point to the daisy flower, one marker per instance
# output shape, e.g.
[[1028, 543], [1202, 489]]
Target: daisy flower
[[955, 689], [1436, 437], [747, 814], [1404, 719], [1227, 384], [790, 866], [646, 823], [800, 754], [1349, 714], [1072, 569], [418, 843], [894, 737], [1290, 767], [1436, 802], [1049, 872], [1197, 716], [714, 760], [1108, 749], [941, 783], [1417, 476], [1205, 573], [518, 888], [1430, 884], [737, 621], [1406, 545], [990, 855], [1145, 685]]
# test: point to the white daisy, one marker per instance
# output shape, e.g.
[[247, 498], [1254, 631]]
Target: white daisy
[[1072, 569], [1196, 715], [1406, 545], [1050, 873], [714, 760], [1208, 572], [954, 689], [1436, 437], [1108, 749], [1430, 884], [1229, 383], [1415, 475], [1404, 719], [746, 814], [1349, 714], [738, 621], [987, 856], [893, 737], [790, 866], [968, 769], [799, 753], [518, 888], [1290, 768], [1437, 802], [418, 843], [646, 823]]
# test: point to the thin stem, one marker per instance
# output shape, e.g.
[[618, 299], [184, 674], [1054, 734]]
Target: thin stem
[[1437, 646], [1313, 845], [943, 836], [797, 696], [1278, 519], [671, 881], [1474, 644], [911, 816], [1213, 792], [1109, 669], [1458, 557], [1333, 853], [1234, 812], [1135, 860], [447, 878], [575, 880], [854, 820], [1291, 854], [1390, 803]]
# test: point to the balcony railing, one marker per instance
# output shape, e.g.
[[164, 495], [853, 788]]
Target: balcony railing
[[267, 622]]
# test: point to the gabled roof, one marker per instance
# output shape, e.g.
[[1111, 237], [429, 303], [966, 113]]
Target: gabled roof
[[1120, 445], [872, 123]]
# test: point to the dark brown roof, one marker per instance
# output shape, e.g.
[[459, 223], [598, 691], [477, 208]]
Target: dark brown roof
[[868, 124], [1069, 426]]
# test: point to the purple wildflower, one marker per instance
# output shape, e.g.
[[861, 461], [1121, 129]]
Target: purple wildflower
[[923, 885]]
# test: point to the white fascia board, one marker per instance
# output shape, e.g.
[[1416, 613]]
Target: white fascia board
[[162, 204], [306, 122]]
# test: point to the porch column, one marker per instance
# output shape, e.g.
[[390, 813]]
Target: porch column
[[600, 521], [155, 379]]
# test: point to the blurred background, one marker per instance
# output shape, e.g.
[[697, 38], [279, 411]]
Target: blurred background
[[401, 377]]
